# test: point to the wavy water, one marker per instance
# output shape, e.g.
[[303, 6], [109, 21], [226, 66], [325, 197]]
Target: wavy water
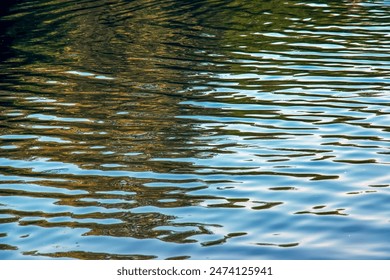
[[212, 129]]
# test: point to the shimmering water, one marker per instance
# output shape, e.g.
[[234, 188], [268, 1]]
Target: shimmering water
[[218, 129]]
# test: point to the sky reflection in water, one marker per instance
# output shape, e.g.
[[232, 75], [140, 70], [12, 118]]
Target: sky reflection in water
[[203, 130]]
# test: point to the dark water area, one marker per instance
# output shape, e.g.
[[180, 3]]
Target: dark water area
[[213, 129]]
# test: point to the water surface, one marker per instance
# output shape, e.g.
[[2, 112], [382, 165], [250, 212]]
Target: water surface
[[212, 129]]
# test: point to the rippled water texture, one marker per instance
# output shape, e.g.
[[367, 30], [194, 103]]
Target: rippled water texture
[[213, 129]]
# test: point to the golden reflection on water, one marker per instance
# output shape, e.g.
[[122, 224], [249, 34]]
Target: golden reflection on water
[[146, 129]]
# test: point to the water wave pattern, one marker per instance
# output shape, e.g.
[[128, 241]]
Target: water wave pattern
[[212, 129]]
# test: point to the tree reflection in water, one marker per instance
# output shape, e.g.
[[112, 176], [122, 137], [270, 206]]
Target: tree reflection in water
[[176, 129]]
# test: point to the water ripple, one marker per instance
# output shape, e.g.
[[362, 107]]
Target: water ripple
[[208, 129]]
